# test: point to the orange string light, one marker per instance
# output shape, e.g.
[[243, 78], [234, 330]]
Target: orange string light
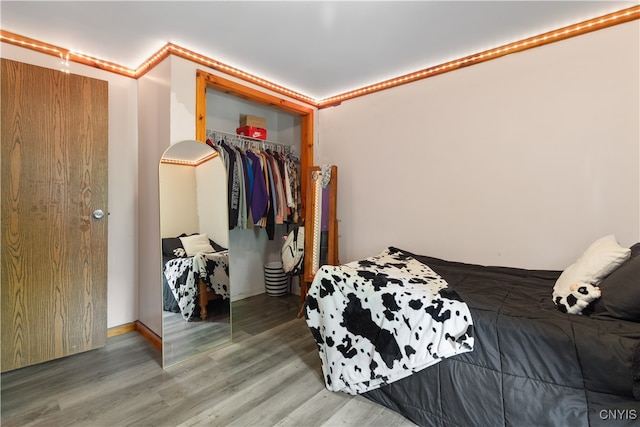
[[605, 21]]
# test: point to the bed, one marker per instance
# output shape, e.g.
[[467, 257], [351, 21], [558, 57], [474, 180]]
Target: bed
[[522, 361], [190, 279]]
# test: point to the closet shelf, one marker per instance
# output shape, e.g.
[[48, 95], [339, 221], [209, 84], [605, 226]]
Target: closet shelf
[[256, 142]]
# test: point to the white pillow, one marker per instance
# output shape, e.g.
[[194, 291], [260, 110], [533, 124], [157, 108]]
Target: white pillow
[[197, 244], [577, 286]]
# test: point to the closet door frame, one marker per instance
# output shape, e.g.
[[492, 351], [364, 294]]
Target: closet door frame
[[205, 80]]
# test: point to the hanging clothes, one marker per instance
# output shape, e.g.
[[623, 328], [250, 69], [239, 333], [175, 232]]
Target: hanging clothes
[[263, 183], [259, 196], [234, 183], [249, 187]]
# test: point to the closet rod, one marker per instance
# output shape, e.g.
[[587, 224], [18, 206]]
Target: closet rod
[[241, 138]]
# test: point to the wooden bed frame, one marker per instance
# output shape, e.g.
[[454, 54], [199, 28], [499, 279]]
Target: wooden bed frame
[[205, 294]]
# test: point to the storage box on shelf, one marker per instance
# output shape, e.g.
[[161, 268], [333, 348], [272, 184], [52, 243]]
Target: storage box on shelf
[[252, 132], [255, 121]]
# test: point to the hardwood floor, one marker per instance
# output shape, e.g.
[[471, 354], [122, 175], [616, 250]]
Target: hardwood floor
[[268, 376], [182, 340]]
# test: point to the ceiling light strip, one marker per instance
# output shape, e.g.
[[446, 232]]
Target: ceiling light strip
[[168, 49], [182, 162], [235, 72], [92, 61], [625, 15], [206, 158], [64, 54], [25, 42], [154, 60], [615, 18]]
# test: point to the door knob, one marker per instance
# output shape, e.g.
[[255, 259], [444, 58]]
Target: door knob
[[98, 214]]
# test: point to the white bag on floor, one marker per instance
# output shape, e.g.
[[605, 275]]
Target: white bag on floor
[[292, 252]]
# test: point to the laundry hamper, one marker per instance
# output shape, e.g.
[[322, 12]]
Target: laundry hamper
[[276, 281]]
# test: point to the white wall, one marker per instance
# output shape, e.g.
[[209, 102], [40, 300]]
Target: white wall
[[154, 94], [122, 305], [178, 200], [520, 161], [194, 200], [211, 182]]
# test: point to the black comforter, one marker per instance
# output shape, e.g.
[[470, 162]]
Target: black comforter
[[531, 366]]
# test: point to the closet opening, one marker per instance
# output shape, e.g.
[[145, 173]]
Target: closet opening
[[205, 81], [219, 102]]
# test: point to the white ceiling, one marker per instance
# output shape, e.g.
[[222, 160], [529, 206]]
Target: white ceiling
[[316, 48]]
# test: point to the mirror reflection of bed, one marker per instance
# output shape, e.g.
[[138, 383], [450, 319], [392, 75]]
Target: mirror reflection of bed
[[194, 230]]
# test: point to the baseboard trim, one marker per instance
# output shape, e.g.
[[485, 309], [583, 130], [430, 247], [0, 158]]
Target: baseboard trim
[[141, 328], [122, 329], [147, 333]]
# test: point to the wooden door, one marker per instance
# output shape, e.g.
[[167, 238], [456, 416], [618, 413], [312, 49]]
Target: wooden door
[[54, 251]]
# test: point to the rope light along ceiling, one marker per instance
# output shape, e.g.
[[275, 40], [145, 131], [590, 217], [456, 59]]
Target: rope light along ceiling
[[183, 162], [625, 15], [65, 55], [609, 20]]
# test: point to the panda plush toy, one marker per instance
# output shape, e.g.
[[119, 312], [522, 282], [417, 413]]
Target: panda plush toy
[[575, 297], [577, 286]]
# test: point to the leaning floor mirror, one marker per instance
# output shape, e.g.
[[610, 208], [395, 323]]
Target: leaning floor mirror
[[196, 310]]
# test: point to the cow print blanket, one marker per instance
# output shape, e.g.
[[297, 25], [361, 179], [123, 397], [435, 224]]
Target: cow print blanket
[[182, 275], [380, 319]]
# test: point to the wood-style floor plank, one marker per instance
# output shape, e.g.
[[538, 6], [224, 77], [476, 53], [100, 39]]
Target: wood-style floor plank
[[269, 375]]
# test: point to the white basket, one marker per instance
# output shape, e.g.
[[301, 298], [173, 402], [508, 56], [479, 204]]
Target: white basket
[[276, 282]]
